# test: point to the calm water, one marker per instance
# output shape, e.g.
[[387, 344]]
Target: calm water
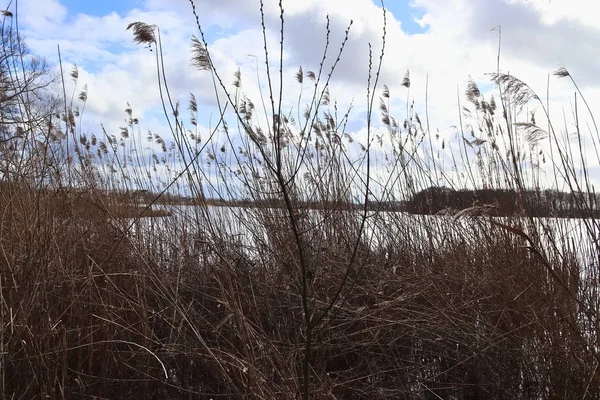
[[191, 226]]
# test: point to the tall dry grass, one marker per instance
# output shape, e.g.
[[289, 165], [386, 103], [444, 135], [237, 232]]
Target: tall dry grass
[[318, 294]]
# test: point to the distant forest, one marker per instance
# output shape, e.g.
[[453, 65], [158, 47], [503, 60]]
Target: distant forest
[[502, 202]]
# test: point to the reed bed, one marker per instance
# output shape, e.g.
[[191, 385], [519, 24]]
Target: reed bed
[[313, 289]]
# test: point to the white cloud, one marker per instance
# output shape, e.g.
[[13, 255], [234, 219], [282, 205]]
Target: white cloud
[[42, 15]]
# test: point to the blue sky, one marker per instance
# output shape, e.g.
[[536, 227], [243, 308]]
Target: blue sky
[[101, 8], [407, 15]]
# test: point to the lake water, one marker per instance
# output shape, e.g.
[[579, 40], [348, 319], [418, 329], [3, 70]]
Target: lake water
[[250, 230]]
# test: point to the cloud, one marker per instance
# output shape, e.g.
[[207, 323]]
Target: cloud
[[40, 16], [460, 42], [527, 32]]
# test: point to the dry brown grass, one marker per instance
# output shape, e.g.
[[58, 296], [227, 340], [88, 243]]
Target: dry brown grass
[[320, 302], [88, 312]]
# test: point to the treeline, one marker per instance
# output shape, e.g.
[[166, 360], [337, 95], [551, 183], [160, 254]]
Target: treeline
[[150, 197], [430, 201], [505, 202]]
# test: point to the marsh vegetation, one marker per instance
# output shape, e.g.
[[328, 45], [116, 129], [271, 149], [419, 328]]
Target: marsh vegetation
[[317, 300]]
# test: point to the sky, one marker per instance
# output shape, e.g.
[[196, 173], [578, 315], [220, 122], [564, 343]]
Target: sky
[[442, 43]]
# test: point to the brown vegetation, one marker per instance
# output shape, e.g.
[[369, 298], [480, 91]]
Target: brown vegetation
[[284, 302]]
